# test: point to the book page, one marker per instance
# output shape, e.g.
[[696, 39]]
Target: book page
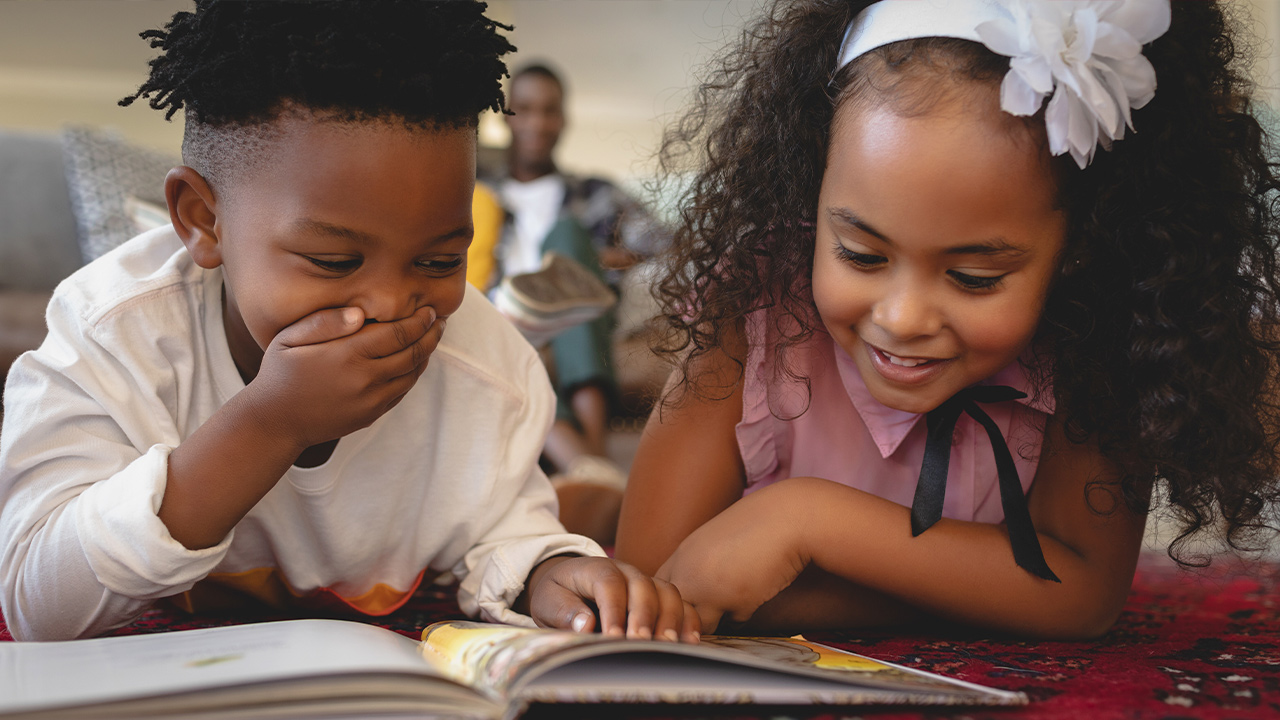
[[636, 678], [49, 674], [550, 665]]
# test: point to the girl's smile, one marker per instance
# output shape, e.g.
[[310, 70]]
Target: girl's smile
[[938, 236], [904, 370]]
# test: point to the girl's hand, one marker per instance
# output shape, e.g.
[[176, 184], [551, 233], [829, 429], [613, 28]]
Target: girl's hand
[[741, 558], [329, 374], [562, 589]]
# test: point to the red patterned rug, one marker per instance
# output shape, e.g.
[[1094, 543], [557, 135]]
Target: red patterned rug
[[1188, 645]]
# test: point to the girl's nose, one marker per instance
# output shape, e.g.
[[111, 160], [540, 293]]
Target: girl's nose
[[907, 312]]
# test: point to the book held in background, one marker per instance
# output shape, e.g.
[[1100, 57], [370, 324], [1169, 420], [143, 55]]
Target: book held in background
[[327, 668]]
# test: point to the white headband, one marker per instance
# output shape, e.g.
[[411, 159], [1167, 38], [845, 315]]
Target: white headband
[[1086, 53]]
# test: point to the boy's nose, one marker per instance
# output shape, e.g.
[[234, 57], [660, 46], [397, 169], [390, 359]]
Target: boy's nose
[[387, 300], [907, 312]]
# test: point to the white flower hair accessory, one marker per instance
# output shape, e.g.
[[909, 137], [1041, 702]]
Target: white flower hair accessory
[[1084, 55]]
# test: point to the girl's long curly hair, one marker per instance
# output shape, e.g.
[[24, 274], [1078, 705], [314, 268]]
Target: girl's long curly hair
[[1161, 333]]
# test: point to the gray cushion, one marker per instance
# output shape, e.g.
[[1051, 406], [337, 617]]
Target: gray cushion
[[37, 227], [102, 171]]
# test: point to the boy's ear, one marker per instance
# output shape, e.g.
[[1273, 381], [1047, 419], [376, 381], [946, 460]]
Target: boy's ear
[[194, 213]]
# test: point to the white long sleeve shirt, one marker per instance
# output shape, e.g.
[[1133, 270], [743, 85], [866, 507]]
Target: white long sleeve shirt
[[137, 359]]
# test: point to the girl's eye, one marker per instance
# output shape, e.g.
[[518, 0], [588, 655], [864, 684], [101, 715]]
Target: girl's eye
[[441, 267], [337, 266], [975, 282], [857, 259]]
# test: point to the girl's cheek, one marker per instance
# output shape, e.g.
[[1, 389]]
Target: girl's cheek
[[1004, 332]]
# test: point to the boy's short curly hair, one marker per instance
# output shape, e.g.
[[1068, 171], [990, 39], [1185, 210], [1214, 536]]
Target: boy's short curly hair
[[234, 67], [1162, 335]]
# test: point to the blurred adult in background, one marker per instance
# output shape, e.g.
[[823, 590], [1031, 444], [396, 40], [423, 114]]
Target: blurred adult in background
[[601, 227]]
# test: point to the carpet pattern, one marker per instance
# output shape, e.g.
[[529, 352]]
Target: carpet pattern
[[1202, 644]]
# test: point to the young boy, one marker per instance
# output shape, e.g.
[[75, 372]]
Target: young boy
[[291, 393]]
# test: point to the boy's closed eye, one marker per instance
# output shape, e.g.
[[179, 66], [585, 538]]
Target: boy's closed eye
[[345, 265], [442, 266]]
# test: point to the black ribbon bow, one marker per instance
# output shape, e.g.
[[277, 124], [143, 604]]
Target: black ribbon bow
[[926, 509]]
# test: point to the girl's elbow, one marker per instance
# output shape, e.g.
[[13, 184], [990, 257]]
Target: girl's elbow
[[1089, 619], [1079, 629], [1102, 620]]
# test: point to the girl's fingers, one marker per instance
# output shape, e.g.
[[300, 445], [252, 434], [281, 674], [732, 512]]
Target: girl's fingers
[[709, 619], [692, 630]]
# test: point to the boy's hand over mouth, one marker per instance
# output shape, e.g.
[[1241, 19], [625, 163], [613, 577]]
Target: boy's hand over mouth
[[330, 373]]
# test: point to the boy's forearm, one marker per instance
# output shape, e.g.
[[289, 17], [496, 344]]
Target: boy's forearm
[[960, 570], [222, 470]]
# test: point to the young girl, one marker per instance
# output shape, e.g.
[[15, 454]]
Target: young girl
[[958, 287]]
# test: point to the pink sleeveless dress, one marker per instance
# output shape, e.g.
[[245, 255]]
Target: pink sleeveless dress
[[837, 431]]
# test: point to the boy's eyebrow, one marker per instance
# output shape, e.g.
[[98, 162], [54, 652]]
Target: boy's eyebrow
[[320, 227], [992, 246]]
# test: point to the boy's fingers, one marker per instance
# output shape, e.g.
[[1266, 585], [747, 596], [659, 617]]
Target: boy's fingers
[[642, 604], [609, 591], [410, 362], [321, 327], [386, 339], [563, 608], [412, 359], [671, 609]]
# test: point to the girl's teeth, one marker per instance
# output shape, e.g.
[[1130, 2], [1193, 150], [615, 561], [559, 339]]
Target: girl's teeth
[[904, 362]]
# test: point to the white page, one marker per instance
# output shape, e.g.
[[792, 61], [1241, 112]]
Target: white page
[[47, 674]]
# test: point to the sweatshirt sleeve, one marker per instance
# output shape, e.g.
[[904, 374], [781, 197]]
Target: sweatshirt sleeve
[[83, 467], [524, 528]]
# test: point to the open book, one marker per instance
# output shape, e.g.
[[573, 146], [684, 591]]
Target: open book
[[325, 668]]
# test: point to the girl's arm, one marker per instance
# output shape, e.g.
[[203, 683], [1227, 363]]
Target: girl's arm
[[818, 600], [687, 468], [960, 571]]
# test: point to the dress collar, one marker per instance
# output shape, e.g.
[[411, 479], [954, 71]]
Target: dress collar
[[889, 427]]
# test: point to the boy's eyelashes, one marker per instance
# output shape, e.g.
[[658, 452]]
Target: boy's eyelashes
[[441, 266], [867, 261], [334, 265]]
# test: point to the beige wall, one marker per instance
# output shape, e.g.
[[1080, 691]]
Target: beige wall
[[628, 64], [1264, 16], [70, 61]]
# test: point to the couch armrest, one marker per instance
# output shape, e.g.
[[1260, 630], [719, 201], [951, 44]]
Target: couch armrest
[[22, 325]]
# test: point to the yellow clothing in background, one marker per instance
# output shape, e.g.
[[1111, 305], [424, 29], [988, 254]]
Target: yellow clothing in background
[[487, 216]]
